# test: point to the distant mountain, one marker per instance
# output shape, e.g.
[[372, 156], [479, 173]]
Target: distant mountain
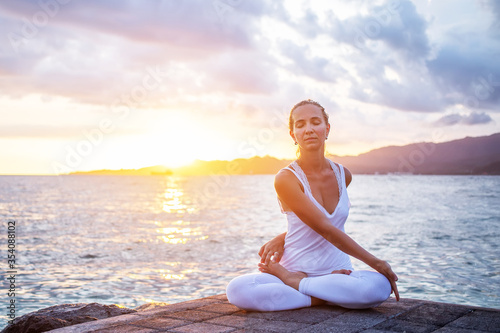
[[148, 171], [241, 166], [479, 155]]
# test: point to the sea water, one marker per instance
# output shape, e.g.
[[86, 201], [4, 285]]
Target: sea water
[[138, 239]]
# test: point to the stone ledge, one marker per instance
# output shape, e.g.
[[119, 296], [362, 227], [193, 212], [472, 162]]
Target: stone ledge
[[216, 314]]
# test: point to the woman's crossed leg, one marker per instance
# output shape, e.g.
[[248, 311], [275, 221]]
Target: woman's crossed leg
[[278, 289]]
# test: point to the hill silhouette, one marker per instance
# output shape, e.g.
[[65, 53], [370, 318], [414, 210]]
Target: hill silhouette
[[148, 171], [471, 155]]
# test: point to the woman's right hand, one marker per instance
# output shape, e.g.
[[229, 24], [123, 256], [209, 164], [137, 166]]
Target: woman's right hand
[[273, 249]]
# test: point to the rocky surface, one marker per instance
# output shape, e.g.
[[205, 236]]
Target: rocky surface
[[151, 306], [59, 316], [215, 314]]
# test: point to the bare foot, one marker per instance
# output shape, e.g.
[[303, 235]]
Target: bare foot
[[291, 279]]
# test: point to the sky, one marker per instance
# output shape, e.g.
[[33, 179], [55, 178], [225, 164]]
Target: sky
[[111, 84]]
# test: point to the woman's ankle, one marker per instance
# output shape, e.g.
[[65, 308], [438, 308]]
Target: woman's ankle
[[293, 279]]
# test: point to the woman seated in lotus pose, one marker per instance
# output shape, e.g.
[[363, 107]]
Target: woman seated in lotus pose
[[310, 264]]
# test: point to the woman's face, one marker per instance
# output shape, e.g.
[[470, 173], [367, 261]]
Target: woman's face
[[309, 127]]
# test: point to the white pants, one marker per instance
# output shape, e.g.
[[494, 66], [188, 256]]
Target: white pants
[[266, 292]]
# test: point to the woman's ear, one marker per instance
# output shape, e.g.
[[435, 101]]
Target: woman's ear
[[327, 130], [293, 136]]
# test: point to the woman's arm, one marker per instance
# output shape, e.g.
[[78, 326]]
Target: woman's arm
[[274, 247], [289, 191]]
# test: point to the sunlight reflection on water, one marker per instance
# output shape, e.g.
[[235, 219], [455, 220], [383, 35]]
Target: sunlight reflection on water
[[181, 235], [132, 240], [173, 203]]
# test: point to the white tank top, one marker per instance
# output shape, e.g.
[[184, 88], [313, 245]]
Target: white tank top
[[306, 250]]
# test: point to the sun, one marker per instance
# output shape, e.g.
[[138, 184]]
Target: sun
[[178, 139], [172, 139]]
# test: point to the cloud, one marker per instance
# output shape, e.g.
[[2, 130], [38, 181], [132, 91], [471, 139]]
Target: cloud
[[307, 25], [463, 67], [34, 131], [61, 132], [395, 83], [454, 69], [401, 97], [495, 25], [213, 26], [406, 32], [470, 119], [243, 72], [396, 24], [95, 51], [318, 68], [184, 24], [391, 38]]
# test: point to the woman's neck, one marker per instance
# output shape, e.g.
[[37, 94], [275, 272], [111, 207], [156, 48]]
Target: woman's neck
[[311, 161]]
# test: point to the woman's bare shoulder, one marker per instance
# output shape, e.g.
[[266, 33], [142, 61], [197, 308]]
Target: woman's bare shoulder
[[348, 176], [284, 176], [285, 179]]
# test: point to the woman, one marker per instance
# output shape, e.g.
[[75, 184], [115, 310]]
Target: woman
[[310, 265]]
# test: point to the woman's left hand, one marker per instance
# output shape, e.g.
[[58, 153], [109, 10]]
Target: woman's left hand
[[385, 269]]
